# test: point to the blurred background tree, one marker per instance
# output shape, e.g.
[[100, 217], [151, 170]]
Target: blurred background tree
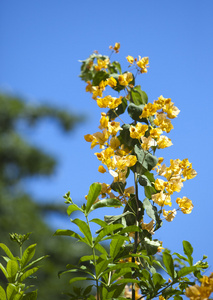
[[18, 211]]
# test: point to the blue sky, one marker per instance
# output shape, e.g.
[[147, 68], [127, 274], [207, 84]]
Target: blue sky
[[41, 45]]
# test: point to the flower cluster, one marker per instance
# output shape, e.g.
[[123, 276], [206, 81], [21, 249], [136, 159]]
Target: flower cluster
[[145, 132], [178, 172], [196, 292]]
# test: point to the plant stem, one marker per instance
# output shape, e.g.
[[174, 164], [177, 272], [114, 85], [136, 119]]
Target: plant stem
[[94, 260]]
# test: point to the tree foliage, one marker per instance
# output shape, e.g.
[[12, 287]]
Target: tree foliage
[[19, 212]]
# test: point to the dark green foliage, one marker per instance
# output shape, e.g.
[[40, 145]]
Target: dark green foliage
[[19, 213]]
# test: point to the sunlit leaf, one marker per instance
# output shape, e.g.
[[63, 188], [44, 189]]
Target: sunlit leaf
[[2, 294], [28, 255], [108, 230], [28, 273], [84, 228], [169, 264], [71, 208], [93, 194], [188, 250], [12, 269], [7, 250], [106, 203]]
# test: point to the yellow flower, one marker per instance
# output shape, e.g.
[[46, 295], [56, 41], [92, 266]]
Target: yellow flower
[[136, 132], [101, 169], [142, 64], [97, 91], [115, 48], [130, 59], [88, 138], [164, 123], [164, 142], [105, 189], [102, 64], [125, 78], [162, 199], [174, 185], [89, 87], [114, 142], [114, 127], [109, 101], [160, 184], [150, 109], [169, 215], [111, 82], [148, 226], [171, 110], [185, 205], [155, 133], [100, 138], [104, 121], [189, 173], [148, 142]]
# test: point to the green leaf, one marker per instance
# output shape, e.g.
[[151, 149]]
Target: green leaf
[[143, 99], [99, 222], [113, 292], [84, 228], [99, 76], [12, 269], [119, 219], [7, 251], [66, 232], [101, 265], [87, 257], [143, 180], [101, 249], [118, 187], [3, 270], [149, 191], [136, 210], [125, 136], [158, 280], [106, 231], [146, 159], [2, 294], [151, 246], [115, 246], [106, 203], [71, 208], [188, 250], [28, 273], [132, 228], [35, 261], [185, 271], [151, 211], [169, 264], [126, 280], [31, 296], [126, 265], [150, 176], [80, 279], [28, 255], [11, 291], [94, 192], [120, 273], [118, 66], [88, 290], [135, 111]]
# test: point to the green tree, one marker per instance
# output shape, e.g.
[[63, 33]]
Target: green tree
[[18, 210]]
